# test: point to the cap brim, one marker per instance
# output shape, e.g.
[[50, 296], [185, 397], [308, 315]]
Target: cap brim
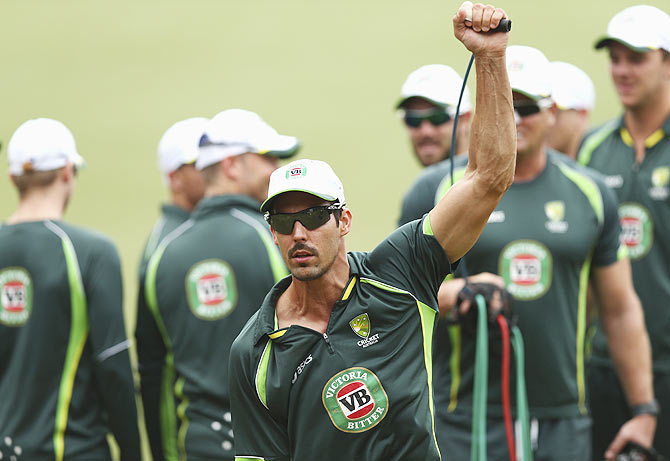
[[266, 204], [285, 147], [534, 97], [432, 101], [604, 41]]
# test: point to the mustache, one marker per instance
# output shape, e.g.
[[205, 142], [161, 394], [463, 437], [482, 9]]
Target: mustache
[[304, 247]]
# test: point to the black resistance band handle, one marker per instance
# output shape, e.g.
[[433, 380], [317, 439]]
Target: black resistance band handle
[[505, 25]]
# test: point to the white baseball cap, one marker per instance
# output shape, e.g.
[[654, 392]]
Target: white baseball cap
[[237, 131], [41, 144], [179, 144], [641, 28], [437, 84], [571, 87], [312, 176], [529, 72]]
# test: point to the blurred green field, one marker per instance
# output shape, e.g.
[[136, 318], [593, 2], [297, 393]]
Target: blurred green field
[[119, 73]]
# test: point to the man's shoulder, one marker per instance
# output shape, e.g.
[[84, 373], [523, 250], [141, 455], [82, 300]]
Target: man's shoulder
[[94, 241], [595, 138]]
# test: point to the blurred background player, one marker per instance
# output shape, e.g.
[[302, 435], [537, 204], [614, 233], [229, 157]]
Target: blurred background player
[[633, 152], [202, 284], [65, 375], [428, 103], [553, 227], [177, 152], [574, 95]]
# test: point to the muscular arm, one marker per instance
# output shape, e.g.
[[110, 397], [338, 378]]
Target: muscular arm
[[623, 322], [459, 217]]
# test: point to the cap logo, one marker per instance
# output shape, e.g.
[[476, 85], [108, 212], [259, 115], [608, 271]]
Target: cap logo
[[355, 400], [296, 172], [16, 296], [211, 289]]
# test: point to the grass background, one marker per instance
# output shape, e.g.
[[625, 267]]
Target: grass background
[[118, 74]]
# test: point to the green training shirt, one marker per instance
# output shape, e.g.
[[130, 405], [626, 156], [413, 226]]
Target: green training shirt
[[542, 238], [149, 340], [65, 376], [420, 198], [203, 282], [171, 217], [644, 211], [363, 389]]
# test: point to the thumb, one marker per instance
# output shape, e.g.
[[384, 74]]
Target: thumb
[[615, 447]]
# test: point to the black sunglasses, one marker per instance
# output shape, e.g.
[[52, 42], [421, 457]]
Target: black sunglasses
[[525, 108], [311, 218], [415, 118]]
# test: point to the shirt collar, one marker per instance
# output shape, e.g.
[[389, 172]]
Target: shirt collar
[[217, 203]]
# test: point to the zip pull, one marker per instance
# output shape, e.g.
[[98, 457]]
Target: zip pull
[[330, 346]]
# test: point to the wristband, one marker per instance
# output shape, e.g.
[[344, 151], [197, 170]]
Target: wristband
[[647, 408]]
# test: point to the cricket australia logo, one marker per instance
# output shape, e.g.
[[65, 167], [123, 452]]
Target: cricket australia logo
[[211, 289], [526, 267], [361, 326], [660, 178], [637, 229], [16, 293], [555, 211], [296, 172], [355, 400]]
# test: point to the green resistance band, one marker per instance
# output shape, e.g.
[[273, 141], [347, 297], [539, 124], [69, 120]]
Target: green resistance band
[[478, 444]]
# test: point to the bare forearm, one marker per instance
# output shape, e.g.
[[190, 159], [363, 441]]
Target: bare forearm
[[492, 152], [629, 347]]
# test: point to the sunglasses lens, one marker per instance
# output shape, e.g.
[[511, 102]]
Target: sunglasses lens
[[524, 110], [415, 118], [311, 218]]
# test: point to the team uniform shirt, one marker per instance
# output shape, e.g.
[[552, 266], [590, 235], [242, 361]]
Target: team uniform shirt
[[171, 217], [420, 198], [542, 239], [644, 195], [146, 331], [203, 282], [65, 376], [363, 389]]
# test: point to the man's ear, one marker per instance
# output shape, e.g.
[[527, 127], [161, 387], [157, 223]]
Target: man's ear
[[345, 222], [68, 172], [274, 236], [230, 167]]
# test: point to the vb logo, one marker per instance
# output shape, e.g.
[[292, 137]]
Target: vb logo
[[355, 400]]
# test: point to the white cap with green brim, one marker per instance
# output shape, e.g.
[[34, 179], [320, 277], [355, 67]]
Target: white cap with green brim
[[528, 71], [42, 144], [311, 176], [179, 144], [438, 84], [641, 28], [237, 131], [571, 87]]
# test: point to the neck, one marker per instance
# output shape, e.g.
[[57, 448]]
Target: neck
[[642, 121], [39, 205], [183, 203], [530, 165], [310, 303]]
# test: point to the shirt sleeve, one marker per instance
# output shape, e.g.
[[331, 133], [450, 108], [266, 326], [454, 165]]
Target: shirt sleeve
[[257, 434], [151, 359], [609, 248], [412, 259], [113, 374]]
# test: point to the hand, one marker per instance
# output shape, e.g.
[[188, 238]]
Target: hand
[[639, 429], [448, 295], [481, 19]]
